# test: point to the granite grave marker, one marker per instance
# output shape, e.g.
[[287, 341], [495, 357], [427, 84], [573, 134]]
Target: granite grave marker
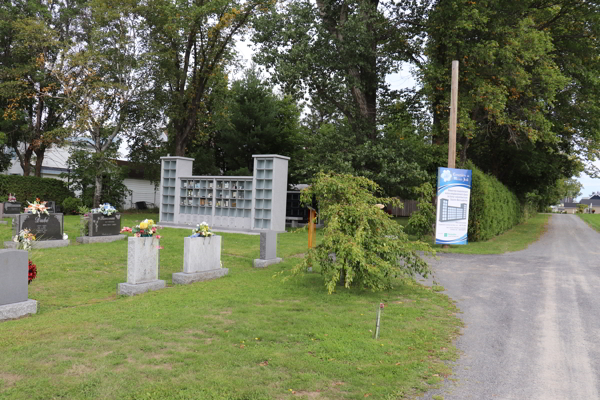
[[103, 225], [43, 226]]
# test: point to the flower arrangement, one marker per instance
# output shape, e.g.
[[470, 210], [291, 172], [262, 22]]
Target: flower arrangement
[[32, 272], [37, 207], [202, 230], [25, 239], [105, 209], [11, 198], [146, 228]]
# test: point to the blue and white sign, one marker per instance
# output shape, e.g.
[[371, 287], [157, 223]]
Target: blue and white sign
[[453, 193]]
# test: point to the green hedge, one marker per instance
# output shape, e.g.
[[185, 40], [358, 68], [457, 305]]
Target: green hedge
[[28, 188], [493, 208]]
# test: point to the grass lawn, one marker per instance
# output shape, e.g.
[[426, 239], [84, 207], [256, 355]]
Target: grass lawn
[[515, 239], [592, 220], [248, 335]]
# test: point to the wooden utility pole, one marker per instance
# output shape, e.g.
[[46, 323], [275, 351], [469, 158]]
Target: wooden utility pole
[[453, 112]]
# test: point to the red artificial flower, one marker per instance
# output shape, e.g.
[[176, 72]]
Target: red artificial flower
[[32, 272]]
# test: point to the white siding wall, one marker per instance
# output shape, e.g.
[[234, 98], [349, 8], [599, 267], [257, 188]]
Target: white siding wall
[[142, 190], [54, 157]]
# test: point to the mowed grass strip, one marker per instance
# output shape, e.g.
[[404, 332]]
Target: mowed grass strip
[[592, 220], [248, 335], [515, 239]]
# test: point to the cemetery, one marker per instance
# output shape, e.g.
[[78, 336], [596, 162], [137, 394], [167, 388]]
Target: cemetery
[[244, 321]]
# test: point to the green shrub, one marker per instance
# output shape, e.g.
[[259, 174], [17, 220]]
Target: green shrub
[[421, 222], [493, 208], [71, 205], [370, 248], [28, 188]]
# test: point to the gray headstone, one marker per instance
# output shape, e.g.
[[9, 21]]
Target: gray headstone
[[102, 225], [1, 210], [268, 245], [12, 208], [44, 227], [14, 270], [51, 207]]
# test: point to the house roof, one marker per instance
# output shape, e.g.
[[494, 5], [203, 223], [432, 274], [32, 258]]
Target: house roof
[[594, 201], [570, 205]]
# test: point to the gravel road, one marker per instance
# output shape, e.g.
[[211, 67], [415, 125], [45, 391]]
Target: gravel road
[[532, 318]]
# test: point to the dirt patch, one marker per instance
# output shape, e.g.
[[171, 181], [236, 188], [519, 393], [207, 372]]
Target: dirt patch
[[9, 379], [195, 332], [79, 370], [309, 395], [168, 367]]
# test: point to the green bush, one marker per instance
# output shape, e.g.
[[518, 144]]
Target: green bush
[[421, 222], [361, 244], [71, 205], [28, 188], [493, 208]]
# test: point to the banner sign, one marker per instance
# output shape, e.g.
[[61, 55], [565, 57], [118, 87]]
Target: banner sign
[[453, 193]]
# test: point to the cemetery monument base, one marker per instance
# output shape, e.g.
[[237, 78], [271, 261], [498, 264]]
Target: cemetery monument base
[[128, 289], [17, 310], [99, 239], [268, 250], [39, 244], [201, 260]]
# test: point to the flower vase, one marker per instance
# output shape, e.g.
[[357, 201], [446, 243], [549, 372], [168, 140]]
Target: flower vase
[[201, 260], [142, 266]]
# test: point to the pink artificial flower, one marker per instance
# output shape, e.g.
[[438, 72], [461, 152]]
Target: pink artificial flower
[[381, 305], [158, 236], [160, 247]]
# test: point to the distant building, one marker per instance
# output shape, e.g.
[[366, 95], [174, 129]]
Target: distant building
[[55, 163]]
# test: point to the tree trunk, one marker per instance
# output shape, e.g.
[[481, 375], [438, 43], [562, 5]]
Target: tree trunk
[[98, 190], [40, 153], [26, 161]]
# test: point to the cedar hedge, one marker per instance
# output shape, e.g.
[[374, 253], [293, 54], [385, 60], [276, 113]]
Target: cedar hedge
[[493, 208], [28, 188]]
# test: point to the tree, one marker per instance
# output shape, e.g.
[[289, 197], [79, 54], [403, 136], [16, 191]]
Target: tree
[[83, 164], [191, 42], [30, 35], [339, 52], [399, 158], [361, 245], [528, 87], [101, 80], [260, 122]]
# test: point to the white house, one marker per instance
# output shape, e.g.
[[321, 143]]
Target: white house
[[55, 163]]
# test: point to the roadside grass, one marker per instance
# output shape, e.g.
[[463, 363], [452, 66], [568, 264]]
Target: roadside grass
[[248, 335], [592, 220], [515, 239]]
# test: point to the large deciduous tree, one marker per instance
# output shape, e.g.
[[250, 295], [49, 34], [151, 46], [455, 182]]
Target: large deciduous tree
[[191, 43], [31, 34], [339, 52], [529, 87], [102, 81]]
